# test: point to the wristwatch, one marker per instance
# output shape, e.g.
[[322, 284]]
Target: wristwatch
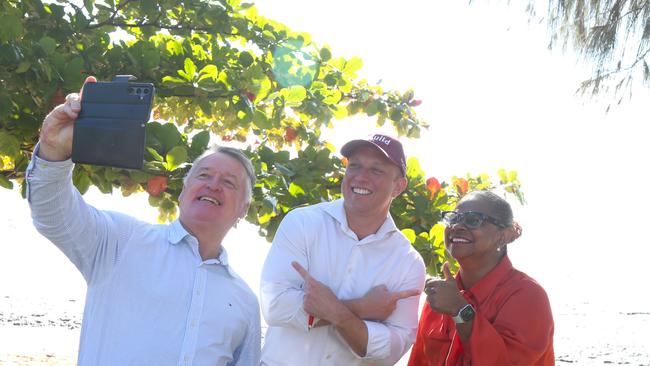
[[465, 314]]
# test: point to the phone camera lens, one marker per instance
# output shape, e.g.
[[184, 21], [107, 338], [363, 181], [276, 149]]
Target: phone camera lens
[[139, 90], [146, 91], [131, 91]]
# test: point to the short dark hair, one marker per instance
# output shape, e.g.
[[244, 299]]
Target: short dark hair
[[500, 208]]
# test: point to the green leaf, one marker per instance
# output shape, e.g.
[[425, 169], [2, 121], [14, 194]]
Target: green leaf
[[89, 4], [6, 183], [410, 234], [339, 111], [413, 168], [148, 6], [189, 70], [11, 28], [318, 86], [72, 73], [138, 176], [352, 66], [295, 190], [295, 94], [284, 170], [209, 71], [512, 176], [373, 107], [174, 47], [48, 44], [260, 120], [82, 181], [245, 59], [333, 97], [205, 105], [503, 176], [172, 81], [5, 106], [169, 136], [150, 58], [437, 234], [176, 157], [200, 142], [23, 66], [325, 54], [9, 144], [155, 154]]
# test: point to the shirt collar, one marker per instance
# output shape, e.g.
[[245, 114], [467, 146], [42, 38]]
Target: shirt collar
[[176, 233], [485, 286], [222, 259], [336, 209]]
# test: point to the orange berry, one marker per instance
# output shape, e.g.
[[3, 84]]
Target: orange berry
[[156, 185]]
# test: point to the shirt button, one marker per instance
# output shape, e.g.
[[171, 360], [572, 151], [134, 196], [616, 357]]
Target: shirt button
[[193, 323], [328, 357], [198, 292], [186, 358]]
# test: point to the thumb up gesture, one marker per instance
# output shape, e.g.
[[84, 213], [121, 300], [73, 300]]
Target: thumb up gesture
[[443, 295]]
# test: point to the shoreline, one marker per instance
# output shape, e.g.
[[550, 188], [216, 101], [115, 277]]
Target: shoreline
[[617, 338]]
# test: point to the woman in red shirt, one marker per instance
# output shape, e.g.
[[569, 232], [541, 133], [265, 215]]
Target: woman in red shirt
[[490, 313]]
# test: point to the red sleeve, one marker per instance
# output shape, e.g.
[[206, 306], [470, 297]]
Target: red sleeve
[[433, 339], [521, 333], [417, 357]]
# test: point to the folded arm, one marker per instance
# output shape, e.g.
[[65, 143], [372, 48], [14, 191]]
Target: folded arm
[[383, 341]]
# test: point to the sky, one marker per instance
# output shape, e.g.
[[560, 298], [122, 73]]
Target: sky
[[495, 97]]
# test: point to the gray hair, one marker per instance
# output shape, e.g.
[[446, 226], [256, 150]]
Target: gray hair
[[235, 154]]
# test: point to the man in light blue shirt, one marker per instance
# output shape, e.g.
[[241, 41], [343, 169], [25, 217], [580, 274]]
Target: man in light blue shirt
[[157, 294]]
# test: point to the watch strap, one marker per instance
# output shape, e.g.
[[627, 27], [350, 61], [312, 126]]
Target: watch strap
[[458, 318]]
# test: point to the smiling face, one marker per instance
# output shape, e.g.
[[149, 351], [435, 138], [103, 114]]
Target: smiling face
[[371, 182], [214, 195], [478, 244]]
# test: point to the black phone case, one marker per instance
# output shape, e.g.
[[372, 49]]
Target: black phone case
[[110, 129]]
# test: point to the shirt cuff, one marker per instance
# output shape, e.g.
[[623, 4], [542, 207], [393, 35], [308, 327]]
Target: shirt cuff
[[53, 170], [378, 341], [41, 170]]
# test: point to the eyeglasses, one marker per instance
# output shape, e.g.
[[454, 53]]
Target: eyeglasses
[[473, 220]]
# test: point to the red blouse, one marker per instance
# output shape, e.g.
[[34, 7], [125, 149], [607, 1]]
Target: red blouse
[[513, 325]]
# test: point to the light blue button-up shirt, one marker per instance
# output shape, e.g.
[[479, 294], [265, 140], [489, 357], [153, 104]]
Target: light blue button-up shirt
[[151, 299]]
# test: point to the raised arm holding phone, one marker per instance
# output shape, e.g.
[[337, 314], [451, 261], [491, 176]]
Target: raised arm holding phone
[[157, 294]]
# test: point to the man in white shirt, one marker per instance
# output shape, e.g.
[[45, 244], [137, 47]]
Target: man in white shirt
[[157, 294], [339, 284]]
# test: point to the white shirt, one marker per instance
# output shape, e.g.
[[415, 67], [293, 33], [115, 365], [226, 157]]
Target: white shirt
[[319, 238], [151, 299]]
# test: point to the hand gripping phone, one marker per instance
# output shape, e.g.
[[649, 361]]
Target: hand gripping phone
[[110, 129]]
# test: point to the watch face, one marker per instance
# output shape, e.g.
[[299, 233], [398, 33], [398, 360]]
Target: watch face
[[467, 313]]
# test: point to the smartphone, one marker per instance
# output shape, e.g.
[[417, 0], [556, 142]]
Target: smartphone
[[110, 129]]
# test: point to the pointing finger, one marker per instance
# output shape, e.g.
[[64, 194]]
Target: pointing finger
[[302, 271], [406, 293]]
